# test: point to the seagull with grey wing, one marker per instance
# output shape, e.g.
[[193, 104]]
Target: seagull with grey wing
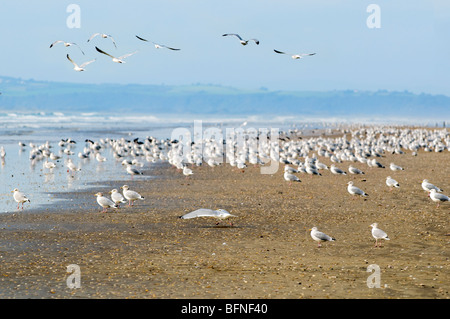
[[219, 214], [104, 36], [157, 45], [114, 59], [81, 67], [242, 41], [319, 236], [295, 56], [66, 44]]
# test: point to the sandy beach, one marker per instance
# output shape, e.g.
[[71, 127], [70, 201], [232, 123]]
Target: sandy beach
[[147, 251]]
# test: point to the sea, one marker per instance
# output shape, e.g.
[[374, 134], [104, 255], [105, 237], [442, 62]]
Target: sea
[[47, 188]]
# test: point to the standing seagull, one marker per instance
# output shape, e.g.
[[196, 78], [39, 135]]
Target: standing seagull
[[66, 44], [391, 183], [378, 234], [114, 59], [19, 197], [319, 236], [104, 36], [290, 177], [394, 167], [243, 42], [438, 197], [427, 186], [105, 202], [133, 171], [78, 68], [295, 56], [130, 195], [355, 190], [117, 197], [157, 45]]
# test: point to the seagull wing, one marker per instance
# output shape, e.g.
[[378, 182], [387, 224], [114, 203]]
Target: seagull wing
[[280, 52], [93, 36], [127, 55], [113, 41], [68, 57], [59, 41], [232, 34], [306, 54], [165, 46], [202, 212], [256, 41], [142, 39], [78, 47], [104, 52], [86, 63]]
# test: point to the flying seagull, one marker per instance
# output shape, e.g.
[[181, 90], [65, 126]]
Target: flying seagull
[[243, 42], [66, 44], [104, 36], [119, 59], [295, 56], [77, 67], [157, 45], [204, 212]]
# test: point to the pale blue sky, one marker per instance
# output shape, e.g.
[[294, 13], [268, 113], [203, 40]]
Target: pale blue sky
[[411, 50]]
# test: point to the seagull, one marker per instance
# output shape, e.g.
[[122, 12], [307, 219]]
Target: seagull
[[66, 44], [291, 178], [105, 202], [117, 197], [438, 197], [394, 167], [19, 197], [378, 234], [119, 59], [220, 214], [157, 45], [130, 195], [133, 171], [295, 56], [243, 42], [337, 171], [104, 36], [392, 182], [354, 170], [187, 171], [319, 236], [355, 190], [427, 186], [71, 166], [80, 68]]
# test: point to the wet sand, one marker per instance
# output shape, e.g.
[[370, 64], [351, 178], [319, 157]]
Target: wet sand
[[146, 251]]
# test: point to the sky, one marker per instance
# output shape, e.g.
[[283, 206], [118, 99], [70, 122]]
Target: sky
[[408, 50]]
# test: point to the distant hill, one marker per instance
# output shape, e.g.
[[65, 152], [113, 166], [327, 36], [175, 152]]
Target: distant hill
[[31, 95]]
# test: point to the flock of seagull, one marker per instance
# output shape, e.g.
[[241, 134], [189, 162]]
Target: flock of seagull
[[366, 146], [121, 59]]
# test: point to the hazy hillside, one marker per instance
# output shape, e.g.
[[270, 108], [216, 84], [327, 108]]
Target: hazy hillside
[[30, 95]]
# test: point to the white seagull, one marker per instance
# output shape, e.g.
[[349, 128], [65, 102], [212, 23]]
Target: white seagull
[[394, 167], [295, 56], [337, 171], [133, 171], [354, 170], [81, 67], [117, 197], [66, 44], [104, 36], [243, 42], [220, 214], [438, 197], [319, 236], [19, 197], [355, 190], [130, 195], [291, 178], [157, 45], [187, 171], [378, 234], [119, 59], [427, 186], [105, 202], [71, 166], [392, 182]]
